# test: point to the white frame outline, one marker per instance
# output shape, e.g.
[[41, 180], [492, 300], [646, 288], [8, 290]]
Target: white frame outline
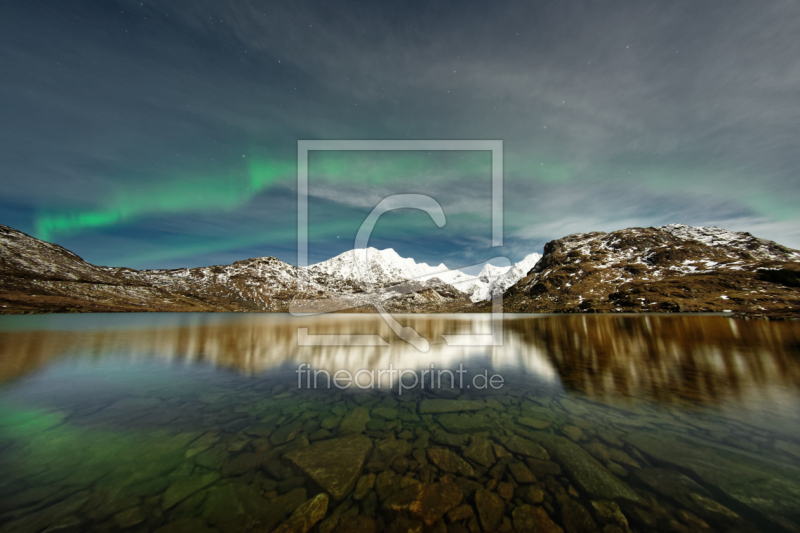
[[305, 146]]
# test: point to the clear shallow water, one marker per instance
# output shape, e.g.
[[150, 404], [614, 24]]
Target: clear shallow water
[[196, 423]]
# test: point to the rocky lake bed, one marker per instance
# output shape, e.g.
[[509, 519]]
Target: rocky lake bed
[[108, 441]]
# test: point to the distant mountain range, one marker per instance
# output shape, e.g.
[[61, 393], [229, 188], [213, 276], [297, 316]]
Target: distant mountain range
[[386, 268], [665, 269]]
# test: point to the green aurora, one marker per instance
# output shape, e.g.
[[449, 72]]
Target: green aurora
[[221, 194]]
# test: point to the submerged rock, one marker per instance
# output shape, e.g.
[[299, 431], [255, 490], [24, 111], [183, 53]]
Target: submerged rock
[[386, 483], [330, 422], [386, 413], [521, 473], [481, 451], [130, 517], [525, 447], [355, 421], [286, 433], [585, 470], [573, 432], [450, 462], [575, 517], [448, 439], [531, 494], [305, 516], [429, 503], [465, 423], [530, 519], [534, 423], [543, 468], [184, 487], [389, 450], [490, 509], [618, 456], [685, 491], [461, 512], [243, 463], [364, 486], [788, 447], [234, 506], [762, 486], [449, 406], [334, 464], [610, 513]]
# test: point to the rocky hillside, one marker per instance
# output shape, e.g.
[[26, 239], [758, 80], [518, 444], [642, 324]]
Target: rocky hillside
[[37, 276], [664, 269]]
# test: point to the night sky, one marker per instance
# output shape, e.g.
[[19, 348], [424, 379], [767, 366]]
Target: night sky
[[164, 134]]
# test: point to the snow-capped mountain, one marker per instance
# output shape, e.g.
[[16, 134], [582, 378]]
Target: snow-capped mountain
[[376, 267], [384, 268], [489, 271], [496, 280]]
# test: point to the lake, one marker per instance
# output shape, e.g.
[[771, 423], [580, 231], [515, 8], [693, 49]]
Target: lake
[[332, 423]]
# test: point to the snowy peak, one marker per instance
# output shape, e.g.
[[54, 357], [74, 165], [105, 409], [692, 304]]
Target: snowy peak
[[496, 280], [387, 267], [491, 271], [378, 267]]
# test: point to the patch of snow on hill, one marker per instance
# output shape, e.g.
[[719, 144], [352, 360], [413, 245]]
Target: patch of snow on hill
[[737, 240]]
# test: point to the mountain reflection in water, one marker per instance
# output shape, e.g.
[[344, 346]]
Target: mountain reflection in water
[[705, 359]]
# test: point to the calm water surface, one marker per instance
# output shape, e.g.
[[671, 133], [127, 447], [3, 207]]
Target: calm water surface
[[197, 423]]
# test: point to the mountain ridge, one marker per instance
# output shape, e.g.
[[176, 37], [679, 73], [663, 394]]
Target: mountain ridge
[[673, 268], [37, 276]]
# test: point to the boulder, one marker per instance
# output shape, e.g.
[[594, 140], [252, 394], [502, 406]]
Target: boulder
[[450, 462], [334, 464], [427, 502], [587, 472], [530, 519], [305, 516], [481, 451], [355, 421], [490, 509], [522, 446], [769, 489]]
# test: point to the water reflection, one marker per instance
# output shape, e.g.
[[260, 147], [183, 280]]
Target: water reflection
[[670, 358], [176, 423]]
